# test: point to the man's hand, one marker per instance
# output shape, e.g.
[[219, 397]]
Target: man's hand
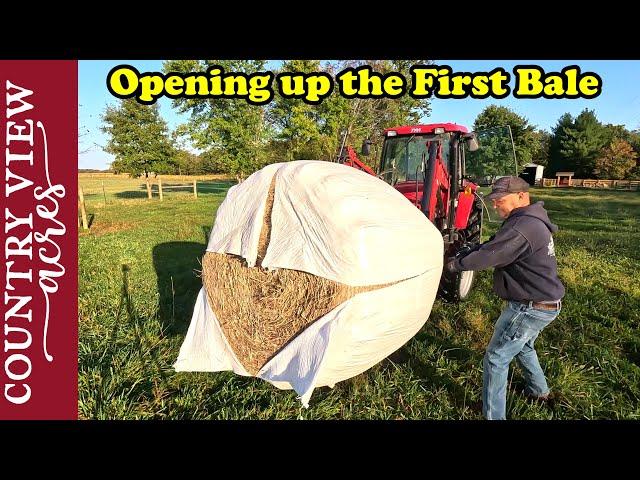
[[467, 249]]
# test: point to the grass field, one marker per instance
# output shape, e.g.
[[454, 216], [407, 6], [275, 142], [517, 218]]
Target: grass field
[[138, 283]]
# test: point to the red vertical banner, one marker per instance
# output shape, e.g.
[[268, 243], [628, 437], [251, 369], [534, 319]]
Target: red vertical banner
[[39, 335]]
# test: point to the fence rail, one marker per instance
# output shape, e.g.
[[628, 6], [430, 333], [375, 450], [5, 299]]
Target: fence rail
[[591, 183], [96, 193]]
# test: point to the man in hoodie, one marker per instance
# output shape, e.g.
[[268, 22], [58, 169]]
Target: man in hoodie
[[523, 256]]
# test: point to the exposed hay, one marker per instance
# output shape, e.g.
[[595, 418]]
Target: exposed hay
[[265, 231], [261, 311]]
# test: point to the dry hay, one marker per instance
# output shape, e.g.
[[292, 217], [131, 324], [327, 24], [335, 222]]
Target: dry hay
[[98, 229], [260, 311]]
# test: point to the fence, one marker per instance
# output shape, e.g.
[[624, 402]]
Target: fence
[[590, 183], [98, 191], [172, 187]]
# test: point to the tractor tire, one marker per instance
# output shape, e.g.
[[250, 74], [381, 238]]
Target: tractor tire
[[474, 229], [456, 287]]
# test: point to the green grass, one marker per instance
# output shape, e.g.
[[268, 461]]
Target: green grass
[[138, 284]]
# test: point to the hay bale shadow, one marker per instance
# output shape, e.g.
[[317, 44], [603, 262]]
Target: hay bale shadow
[[435, 378], [177, 266]]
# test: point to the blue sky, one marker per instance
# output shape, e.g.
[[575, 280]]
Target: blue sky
[[619, 102]]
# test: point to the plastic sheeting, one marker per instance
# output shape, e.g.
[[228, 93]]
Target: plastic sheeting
[[339, 223]]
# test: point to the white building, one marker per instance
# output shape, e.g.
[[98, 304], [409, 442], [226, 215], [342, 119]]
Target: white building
[[533, 171]]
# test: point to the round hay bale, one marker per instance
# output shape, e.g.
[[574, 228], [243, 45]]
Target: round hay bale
[[314, 272]]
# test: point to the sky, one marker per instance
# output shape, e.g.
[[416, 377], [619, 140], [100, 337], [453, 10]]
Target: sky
[[619, 102]]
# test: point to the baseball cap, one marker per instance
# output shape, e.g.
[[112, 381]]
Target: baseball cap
[[506, 185]]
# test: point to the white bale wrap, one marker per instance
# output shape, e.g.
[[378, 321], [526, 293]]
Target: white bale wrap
[[336, 222]]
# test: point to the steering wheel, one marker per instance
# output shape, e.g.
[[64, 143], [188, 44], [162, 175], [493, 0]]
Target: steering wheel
[[381, 174]]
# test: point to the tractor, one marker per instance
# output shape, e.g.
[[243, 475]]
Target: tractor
[[426, 163]]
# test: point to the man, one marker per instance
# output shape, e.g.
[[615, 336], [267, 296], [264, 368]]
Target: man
[[523, 255]]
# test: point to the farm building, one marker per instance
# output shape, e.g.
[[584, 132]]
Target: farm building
[[532, 173]]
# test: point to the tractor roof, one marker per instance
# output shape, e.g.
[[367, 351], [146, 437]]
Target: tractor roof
[[428, 128]]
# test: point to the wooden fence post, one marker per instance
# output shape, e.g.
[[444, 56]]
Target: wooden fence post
[[83, 211], [148, 189], [104, 195], [195, 190], [160, 187]]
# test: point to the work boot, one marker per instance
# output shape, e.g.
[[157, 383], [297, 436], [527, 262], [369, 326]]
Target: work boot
[[550, 399]]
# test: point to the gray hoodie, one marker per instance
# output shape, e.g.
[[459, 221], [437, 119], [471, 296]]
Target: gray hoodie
[[523, 255]]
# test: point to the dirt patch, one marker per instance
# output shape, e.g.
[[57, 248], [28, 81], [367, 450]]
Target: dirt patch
[[101, 229]]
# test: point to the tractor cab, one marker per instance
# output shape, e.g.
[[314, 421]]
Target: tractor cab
[[426, 163]]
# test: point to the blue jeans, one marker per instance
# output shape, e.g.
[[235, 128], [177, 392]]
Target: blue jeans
[[515, 331]]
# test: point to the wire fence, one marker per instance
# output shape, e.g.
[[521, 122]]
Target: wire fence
[[100, 190]]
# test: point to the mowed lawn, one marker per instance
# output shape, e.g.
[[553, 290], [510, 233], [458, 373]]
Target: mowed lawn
[[138, 281]]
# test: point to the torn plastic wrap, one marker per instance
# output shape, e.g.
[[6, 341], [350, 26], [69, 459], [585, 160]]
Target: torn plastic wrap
[[342, 224]]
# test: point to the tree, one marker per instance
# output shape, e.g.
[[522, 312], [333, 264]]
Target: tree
[[138, 138], [240, 138], [541, 153], [296, 124], [495, 126], [612, 132], [378, 114], [189, 163], [579, 143], [494, 157], [525, 140], [211, 162], [615, 160], [359, 119], [634, 140], [557, 158], [232, 129]]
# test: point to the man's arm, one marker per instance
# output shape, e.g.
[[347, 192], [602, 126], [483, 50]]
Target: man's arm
[[503, 248]]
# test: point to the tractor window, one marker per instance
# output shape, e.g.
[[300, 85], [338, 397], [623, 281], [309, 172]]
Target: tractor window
[[402, 157], [446, 150]]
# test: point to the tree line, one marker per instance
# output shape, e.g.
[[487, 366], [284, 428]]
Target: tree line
[[236, 138], [582, 145]]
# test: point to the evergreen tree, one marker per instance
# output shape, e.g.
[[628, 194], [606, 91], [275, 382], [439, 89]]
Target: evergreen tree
[[582, 143], [557, 160]]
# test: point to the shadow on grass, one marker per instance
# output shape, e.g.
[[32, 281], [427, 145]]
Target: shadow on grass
[[106, 359], [130, 194], [428, 372], [215, 187], [172, 187], [177, 266], [631, 349], [151, 364]]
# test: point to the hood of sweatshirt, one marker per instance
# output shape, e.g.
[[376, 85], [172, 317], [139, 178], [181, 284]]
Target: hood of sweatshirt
[[535, 210]]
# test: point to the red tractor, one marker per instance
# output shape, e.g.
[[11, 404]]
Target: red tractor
[[426, 163]]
